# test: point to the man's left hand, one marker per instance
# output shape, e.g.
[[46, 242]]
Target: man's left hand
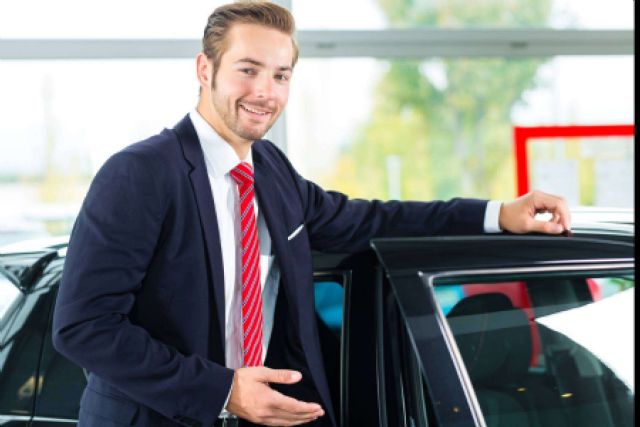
[[518, 216]]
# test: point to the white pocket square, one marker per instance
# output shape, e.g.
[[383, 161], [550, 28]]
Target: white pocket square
[[295, 232]]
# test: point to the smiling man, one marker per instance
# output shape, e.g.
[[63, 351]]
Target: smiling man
[[246, 89], [188, 289]]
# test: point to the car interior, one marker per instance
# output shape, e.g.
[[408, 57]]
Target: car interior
[[563, 385]]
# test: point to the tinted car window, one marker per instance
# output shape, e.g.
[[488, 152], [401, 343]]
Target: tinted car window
[[406, 399], [547, 351], [62, 383], [22, 327], [329, 303]]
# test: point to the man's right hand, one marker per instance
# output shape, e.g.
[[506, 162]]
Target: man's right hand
[[252, 398]]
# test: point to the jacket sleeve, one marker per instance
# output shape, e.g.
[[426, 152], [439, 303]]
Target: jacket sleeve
[[112, 243], [336, 223]]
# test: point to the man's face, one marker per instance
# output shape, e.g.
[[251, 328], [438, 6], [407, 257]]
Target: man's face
[[251, 85]]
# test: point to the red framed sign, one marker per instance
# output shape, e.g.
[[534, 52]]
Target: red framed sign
[[522, 135]]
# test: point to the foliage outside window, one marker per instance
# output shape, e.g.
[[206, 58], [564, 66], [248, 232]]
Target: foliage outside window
[[450, 136]]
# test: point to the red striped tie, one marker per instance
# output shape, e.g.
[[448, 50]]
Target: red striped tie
[[251, 294]]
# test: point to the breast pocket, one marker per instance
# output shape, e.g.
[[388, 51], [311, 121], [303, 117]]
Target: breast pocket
[[295, 232], [298, 242]]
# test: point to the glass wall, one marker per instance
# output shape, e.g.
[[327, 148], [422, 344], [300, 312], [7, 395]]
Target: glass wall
[[442, 127], [417, 127], [384, 14], [115, 19], [62, 119]]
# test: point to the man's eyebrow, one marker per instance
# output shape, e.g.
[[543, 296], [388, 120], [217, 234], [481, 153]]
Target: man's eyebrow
[[251, 61], [260, 64]]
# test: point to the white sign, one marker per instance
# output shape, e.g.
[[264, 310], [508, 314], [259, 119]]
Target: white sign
[[614, 183]]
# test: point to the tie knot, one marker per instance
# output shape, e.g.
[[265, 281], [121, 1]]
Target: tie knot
[[243, 174]]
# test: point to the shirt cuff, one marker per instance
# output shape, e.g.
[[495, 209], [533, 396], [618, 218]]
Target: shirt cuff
[[224, 413], [492, 217]]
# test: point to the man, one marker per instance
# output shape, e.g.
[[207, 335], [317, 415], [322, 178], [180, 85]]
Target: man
[[181, 288]]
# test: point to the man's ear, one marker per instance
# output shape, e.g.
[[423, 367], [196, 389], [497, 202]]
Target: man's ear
[[204, 70]]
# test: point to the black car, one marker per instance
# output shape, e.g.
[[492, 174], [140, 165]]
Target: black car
[[491, 330]]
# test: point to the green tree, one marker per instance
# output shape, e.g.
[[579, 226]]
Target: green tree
[[453, 137]]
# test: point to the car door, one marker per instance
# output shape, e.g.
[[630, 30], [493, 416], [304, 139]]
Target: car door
[[38, 386], [24, 311], [505, 330], [344, 301], [58, 398]]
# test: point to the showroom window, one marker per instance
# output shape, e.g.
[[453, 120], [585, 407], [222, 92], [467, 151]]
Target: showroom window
[[443, 127], [65, 118], [415, 99], [383, 14]]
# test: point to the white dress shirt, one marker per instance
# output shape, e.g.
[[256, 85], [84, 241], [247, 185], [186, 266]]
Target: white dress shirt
[[220, 159], [492, 217]]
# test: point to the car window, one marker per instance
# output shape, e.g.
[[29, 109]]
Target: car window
[[22, 327], [546, 350], [406, 401], [329, 301], [329, 304], [62, 385]]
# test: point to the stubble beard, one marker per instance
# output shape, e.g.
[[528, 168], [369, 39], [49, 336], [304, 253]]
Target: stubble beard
[[229, 115]]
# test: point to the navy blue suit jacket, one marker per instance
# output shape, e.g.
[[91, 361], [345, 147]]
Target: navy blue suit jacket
[[141, 302]]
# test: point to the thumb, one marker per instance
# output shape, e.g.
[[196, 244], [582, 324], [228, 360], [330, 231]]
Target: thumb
[[547, 227], [280, 376]]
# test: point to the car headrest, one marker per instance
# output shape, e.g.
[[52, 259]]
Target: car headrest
[[493, 337]]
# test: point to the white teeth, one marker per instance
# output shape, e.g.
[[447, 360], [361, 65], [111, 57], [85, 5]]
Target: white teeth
[[252, 110]]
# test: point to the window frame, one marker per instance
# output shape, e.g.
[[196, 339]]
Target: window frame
[[343, 277], [416, 43]]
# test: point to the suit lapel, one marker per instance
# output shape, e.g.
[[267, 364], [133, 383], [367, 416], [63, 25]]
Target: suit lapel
[[270, 202], [271, 205], [206, 208]]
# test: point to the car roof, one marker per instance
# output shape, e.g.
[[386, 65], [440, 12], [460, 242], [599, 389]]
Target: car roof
[[408, 255], [35, 245], [594, 214], [596, 234], [592, 224]]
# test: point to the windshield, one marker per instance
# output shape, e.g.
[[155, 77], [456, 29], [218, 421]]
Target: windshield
[[547, 350]]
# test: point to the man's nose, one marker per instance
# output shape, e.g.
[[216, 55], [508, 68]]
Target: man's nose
[[264, 86]]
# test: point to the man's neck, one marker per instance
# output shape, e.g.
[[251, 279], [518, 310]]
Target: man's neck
[[240, 146]]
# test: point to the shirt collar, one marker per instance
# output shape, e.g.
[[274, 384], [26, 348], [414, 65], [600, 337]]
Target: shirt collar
[[219, 156]]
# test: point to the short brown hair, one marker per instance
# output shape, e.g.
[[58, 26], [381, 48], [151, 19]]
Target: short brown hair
[[244, 12]]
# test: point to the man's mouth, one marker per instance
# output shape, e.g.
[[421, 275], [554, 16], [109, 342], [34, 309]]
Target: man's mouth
[[255, 110]]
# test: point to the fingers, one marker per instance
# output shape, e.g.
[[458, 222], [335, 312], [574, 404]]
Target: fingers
[[252, 398], [279, 376], [296, 407], [555, 205], [547, 227], [284, 410], [519, 215]]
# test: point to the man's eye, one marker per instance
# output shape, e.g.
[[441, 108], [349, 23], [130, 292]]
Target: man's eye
[[282, 77], [248, 71]]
